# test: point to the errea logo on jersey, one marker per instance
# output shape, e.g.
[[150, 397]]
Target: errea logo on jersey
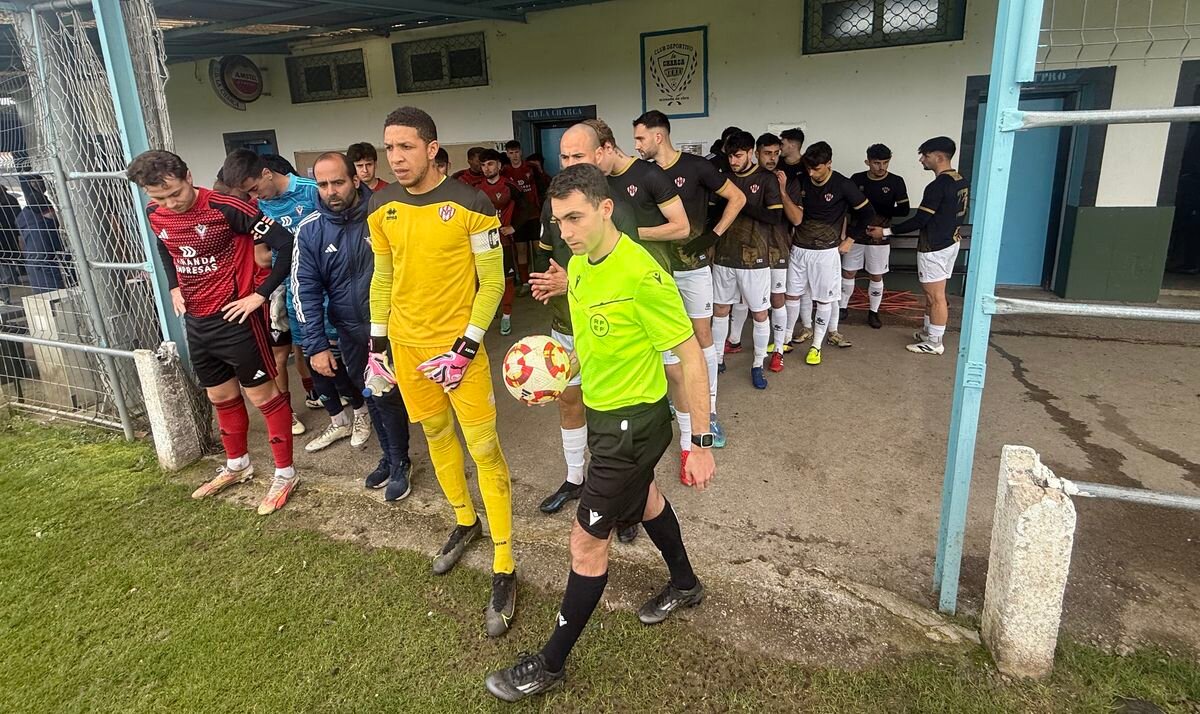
[[446, 212]]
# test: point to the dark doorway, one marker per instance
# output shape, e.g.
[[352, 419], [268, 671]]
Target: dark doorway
[[1053, 169], [260, 142], [1180, 187], [539, 130]]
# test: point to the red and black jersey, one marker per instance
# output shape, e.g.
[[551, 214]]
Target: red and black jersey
[[526, 177], [208, 250], [379, 185], [506, 196], [468, 177]]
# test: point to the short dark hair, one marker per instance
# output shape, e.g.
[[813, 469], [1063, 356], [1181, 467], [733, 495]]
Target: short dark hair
[[729, 131], [795, 134], [944, 144], [362, 151], [242, 164], [333, 156], [584, 178], [817, 154], [414, 118], [278, 164], [766, 140], [475, 152], [442, 156], [491, 155], [153, 168], [738, 141], [654, 119], [512, 144], [879, 152]]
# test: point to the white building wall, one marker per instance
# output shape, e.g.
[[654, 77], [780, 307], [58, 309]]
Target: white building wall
[[757, 76]]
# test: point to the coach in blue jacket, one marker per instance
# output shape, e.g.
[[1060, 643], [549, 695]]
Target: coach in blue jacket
[[333, 269]]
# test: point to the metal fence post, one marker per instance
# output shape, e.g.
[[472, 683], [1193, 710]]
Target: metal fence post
[[1013, 56], [122, 82]]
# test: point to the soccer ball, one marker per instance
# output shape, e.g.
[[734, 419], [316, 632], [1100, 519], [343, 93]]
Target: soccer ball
[[536, 369]]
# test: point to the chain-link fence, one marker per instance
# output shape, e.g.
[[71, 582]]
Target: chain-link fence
[[838, 25], [77, 293]]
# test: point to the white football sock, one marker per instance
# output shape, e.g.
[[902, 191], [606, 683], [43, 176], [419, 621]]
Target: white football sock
[[875, 295], [737, 322], [762, 333], [926, 328], [847, 291], [720, 329], [806, 310], [342, 418], [574, 444], [821, 324], [935, 334], [793, 314], [835, 317], [239, 463], [778, 327], [286, 472], [710, 359]]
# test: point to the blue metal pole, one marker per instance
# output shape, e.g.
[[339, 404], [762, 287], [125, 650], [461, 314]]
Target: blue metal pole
[[1013, 56], [122, 83]]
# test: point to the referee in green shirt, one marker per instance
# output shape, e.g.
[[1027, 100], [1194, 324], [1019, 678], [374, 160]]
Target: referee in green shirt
[[627, 312]]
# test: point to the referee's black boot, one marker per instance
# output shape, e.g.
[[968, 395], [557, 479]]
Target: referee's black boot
[[526, 678], [555, 501], [671, 598], [873, 320]]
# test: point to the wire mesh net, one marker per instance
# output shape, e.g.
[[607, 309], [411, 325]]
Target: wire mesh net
[[73, 263], [837, 25], [1097, 32]]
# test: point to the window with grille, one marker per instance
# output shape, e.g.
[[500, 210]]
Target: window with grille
[[838, 25], [440, 63], [332, 75]]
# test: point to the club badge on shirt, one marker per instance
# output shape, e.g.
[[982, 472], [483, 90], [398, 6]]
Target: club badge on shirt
[[446, 212]]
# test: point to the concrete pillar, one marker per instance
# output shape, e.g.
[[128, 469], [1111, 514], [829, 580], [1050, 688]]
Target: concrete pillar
[[166, 392], [1032, 535]]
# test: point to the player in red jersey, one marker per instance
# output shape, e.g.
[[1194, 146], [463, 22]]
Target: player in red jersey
[[366, 161], [473, 174], [509, 201], [529, 178], [207, 243]]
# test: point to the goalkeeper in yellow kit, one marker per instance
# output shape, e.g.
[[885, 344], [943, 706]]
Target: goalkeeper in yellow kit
[[439, 277]]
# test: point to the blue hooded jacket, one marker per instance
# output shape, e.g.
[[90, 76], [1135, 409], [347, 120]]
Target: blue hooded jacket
[[332, 274]]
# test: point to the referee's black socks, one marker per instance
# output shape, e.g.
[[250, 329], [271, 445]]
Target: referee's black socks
[[579, 601], [664, 531]]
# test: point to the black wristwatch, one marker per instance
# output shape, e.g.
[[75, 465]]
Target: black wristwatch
[[704, 441]]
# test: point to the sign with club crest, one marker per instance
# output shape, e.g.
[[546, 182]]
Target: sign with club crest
[[675, 72]]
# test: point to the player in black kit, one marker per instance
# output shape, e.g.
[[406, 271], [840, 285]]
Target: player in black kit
[[889, 197]]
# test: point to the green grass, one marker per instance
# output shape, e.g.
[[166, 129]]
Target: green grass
[[118, 593]]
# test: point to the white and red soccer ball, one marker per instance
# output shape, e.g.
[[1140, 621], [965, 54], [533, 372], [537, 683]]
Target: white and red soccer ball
[[536, 369]]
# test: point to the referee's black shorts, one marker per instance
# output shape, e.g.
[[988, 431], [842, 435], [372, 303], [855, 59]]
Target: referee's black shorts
[[626, 445], [221, 350]]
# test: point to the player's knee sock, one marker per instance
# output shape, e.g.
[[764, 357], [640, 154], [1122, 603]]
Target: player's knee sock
[[685, 429], [720, 329], [307, 383], [737, 322], [506, 302], [806, 310], [446, 454], [278, 415], [847, 291], [935, 334], [875, 294], [234, 422], [762, 334], [574, 445], [579, 602], [711, 358], [495, 488], [821, 324], [793, 314], [835, 318], [664, 531], [778, 327]]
